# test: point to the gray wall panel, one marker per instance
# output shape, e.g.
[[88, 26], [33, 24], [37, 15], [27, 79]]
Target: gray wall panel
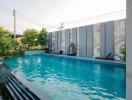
[[56, 42], [89, 41], [102, 40], [74, 36], [50, 40], [109, 37], [82, 38], [59, 40], [67, 41]]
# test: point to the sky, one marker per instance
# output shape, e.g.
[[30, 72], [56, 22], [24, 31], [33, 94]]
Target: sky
[[49, 13]]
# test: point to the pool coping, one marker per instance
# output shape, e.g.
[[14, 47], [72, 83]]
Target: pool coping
[[122, 64], [116, 62], [30, 86]]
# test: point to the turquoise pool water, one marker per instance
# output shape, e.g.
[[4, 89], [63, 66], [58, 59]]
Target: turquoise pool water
[[62, 78]]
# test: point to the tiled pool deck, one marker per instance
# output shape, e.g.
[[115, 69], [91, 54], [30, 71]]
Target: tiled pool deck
[[129, 87]]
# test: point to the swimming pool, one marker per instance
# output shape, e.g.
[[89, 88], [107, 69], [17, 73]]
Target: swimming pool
[[65, 78]]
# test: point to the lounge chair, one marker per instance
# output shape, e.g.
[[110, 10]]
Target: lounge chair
[[108, 57], [61, 52]]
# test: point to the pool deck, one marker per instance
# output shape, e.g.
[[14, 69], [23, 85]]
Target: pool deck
[[0, 95], [129, 87]]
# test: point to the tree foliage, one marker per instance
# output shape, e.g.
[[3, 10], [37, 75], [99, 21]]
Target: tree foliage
[[43, 37], [4, 32], [29, 39], [7, 43]]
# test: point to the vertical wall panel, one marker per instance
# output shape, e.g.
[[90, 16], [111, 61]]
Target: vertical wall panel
[[89, 41], [82, 38], [102, 40], [59, 40], [67, 40], [109, 37], [74, 36], [63, 42], [56, 42], [78, 42], [50, 40]]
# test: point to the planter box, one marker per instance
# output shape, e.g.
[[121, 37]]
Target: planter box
[[31, 52]]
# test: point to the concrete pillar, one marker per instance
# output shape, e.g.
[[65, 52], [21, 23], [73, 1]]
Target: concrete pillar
[[83, 39], [129, 37], [129, 49], [67, 40], [89, 41]]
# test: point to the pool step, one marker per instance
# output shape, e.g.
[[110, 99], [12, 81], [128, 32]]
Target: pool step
[[12, 89]]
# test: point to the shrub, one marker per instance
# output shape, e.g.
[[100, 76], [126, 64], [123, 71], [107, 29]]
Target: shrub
[[17, 52], [123, 53], [46, 50]]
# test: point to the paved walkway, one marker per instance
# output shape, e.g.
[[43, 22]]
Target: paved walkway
[[0, 98]]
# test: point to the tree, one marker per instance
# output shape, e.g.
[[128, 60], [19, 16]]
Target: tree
[[7, 43], [30, 38], [43, 37], [4, 32], [4, 41]]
